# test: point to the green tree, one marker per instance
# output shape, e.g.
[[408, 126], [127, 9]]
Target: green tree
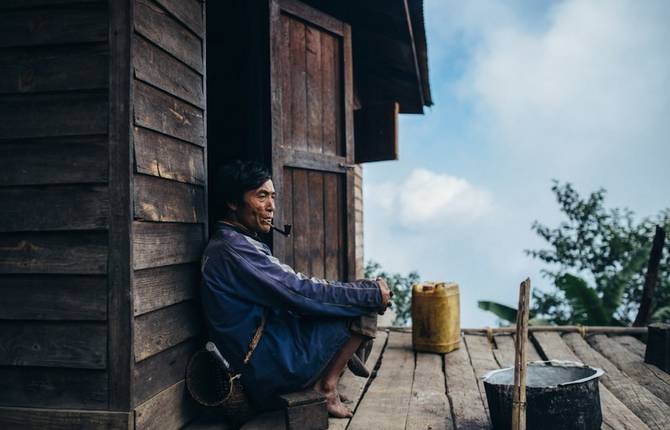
[[401, 285], [597, 260]]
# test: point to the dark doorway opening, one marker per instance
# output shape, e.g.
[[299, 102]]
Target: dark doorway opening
[[237, 88]]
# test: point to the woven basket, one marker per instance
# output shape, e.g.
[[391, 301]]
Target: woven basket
[[219, 392]]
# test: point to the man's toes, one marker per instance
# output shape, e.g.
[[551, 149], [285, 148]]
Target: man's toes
[[338, 410]]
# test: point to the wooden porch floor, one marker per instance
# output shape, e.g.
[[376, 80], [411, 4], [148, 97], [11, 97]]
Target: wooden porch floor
[[412, 391]]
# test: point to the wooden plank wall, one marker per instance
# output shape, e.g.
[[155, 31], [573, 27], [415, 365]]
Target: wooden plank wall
[[170, 197], [358, 221], [54, 64]]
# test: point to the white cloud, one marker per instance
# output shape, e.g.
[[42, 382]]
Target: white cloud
[[426, 196], [595, 80], [525, 91]]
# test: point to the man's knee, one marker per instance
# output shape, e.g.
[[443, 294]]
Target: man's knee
[[365, 325]]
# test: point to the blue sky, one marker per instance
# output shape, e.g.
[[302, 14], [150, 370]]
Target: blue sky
[[525, 92]]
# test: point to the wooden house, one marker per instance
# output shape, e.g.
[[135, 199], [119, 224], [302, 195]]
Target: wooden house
[[115, 114]]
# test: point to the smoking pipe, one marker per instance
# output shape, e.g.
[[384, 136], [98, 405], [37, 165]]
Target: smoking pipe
[[285, 232]]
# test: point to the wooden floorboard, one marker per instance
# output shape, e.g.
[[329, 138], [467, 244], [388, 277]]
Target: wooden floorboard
[[207, 425], [633, 344], [482, 361], [465, 399], [616, 415], [648, 375], [352, 387], [649, 408], [386, 403], [504, 351], [429, 406], [411, 390]]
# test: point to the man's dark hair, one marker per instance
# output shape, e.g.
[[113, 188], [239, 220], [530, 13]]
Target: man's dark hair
[[235, 178]]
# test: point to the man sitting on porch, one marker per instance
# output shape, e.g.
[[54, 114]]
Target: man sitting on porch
[[312, 327]]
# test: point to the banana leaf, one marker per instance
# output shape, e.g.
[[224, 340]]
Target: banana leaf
[[588, 307], [503, 312]]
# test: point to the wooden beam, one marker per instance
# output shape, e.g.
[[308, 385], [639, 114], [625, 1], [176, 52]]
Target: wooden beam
[[650, 279], [311, 161], [349, 148], [119, 297], [376, 128], [658, 346], [314, 16]]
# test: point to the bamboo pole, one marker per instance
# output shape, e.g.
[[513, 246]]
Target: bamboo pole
[[561, 329], [519, 396]]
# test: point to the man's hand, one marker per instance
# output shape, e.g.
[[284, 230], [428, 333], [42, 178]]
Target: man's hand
[[387, 294]]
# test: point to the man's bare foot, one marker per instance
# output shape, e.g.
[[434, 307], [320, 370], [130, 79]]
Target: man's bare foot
[[333, 403]]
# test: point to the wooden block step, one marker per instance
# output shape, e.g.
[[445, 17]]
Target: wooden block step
[[305, 410]]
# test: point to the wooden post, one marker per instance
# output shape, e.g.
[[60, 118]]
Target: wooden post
[[658, 346], [519, 397], [644, 312]]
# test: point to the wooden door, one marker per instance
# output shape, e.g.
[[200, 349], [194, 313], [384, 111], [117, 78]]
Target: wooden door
[[312, 139]]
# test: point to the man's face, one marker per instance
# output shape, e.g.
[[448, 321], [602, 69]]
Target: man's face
[[258, 208]]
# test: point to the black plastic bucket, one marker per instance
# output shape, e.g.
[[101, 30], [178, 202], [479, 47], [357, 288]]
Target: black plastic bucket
[[559, 395]]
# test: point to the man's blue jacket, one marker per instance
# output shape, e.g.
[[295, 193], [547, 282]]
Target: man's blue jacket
[[307, 319]]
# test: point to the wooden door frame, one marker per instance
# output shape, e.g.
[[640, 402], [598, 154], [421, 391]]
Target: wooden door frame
[[302, 159]]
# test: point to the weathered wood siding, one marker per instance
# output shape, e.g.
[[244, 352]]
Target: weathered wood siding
[[169, 203], [54, 209], [358, 224]]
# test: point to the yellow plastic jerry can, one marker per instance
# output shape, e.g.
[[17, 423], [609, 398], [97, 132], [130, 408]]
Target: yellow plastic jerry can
[[436, 318]]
